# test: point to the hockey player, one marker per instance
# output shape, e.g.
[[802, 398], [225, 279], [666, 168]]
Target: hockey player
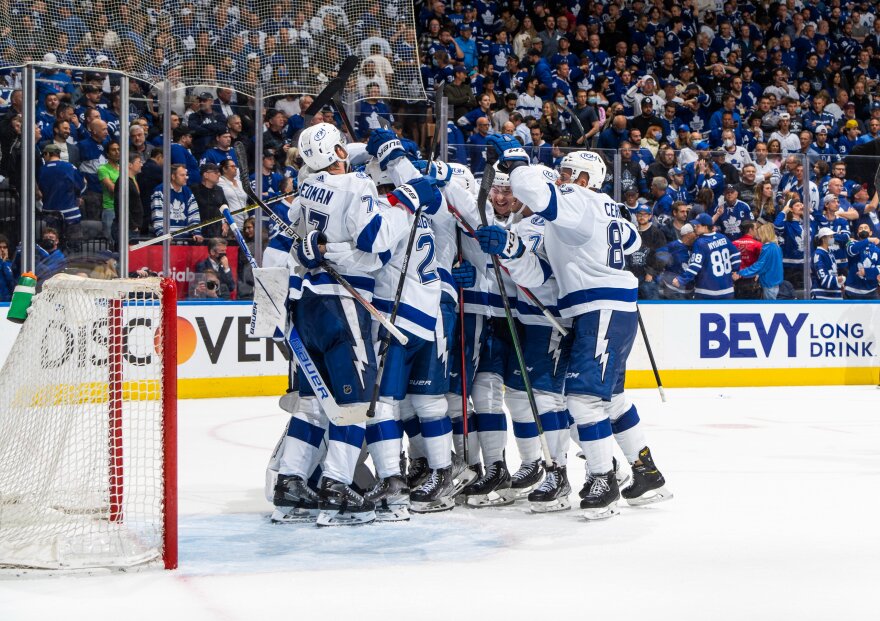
[[417, 371], [335, 207], [586, 241], [713, 261], [546, 350]]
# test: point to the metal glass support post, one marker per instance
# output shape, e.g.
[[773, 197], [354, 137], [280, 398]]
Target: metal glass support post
[[618, 169], [259, 113], [808, 217], [27, 192], [166, 178], [443, 119], [124, 150]]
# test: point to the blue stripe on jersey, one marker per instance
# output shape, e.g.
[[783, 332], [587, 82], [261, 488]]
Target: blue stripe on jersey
[[305, 431], [384, 430], [627, 420], [385, 257], [436, 428], [368, 234], [594, 431], [347, 434], [405, 311], [281, 242], [550, 211], [447, 278], [495, 300], [476, 297], [525, 308], [630, 242], [545, 269], [615, 294], [525, 430], [359, 282]]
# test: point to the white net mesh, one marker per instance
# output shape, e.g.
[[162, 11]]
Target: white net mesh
[[286, 46], [81, 452]]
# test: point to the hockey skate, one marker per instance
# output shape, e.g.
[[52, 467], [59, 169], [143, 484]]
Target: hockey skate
[[435, 494], [416, 472], [600, 503], [552, 494], [462, 474], [295, 502], [391, 497], [648, 485], [487, 490], [524, 480], [622, 476], [342, 506]]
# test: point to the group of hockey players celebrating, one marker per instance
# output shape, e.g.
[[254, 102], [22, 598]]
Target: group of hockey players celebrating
[[517, 307]]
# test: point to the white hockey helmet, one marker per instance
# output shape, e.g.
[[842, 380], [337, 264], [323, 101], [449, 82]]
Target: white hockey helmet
[[379, 176], [549, 174], [588, 162], [501, 179], [463, 176], [317, 146]]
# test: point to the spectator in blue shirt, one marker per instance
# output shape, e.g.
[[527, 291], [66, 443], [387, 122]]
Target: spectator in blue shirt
[[768, 267], [7, 277]]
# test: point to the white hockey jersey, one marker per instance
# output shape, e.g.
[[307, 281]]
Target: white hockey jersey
[[344, 207], [420, 296], [585, 240], [533, 271]]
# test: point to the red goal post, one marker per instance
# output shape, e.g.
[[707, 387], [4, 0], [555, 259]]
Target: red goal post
[[88, 428]]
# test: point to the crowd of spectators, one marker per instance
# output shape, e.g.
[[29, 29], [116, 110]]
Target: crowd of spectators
[[745, 112]]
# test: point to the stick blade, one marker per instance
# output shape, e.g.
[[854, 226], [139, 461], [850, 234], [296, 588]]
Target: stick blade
[[333, 87]]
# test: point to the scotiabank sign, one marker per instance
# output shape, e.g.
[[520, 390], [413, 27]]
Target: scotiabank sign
[[183, 263]]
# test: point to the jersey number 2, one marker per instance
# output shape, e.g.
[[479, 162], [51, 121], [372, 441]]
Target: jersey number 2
[[426, 275]]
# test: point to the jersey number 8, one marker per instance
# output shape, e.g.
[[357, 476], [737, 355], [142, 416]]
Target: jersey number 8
[[720, 260], [615, 246]]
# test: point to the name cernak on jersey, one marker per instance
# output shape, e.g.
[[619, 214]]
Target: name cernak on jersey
[[612, 210], [315, 194]]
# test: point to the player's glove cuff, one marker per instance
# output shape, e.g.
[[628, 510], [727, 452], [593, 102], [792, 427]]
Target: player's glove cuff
[[308, 251], [500, 242]]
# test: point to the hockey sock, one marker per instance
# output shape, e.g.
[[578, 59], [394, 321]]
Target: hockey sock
[[595, 441], [525, 431], [473, 439], [629, 434], [555, 426], [301, 448], [437, 435], [343, 450], [413, 429], [384, 437], [492, 435]]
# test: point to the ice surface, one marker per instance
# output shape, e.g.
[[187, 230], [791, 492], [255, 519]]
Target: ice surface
[[774, 517]]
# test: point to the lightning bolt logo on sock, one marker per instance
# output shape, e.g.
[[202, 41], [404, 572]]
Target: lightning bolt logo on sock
[[602, 340]]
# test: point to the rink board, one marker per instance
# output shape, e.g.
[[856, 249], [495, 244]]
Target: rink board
[[695, 344]]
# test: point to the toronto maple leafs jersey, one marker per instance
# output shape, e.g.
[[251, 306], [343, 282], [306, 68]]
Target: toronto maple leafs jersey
[[713, 261], [586, 241], [824, 276], [344, 208]]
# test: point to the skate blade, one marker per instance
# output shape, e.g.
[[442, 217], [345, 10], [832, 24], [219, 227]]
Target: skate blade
[[560, 504], [393, 514], [436, 506], [335, 518], [292, 515], [493, 499], [603, 513], [520, 493], [465, 478], [622, 478], [651, 497]]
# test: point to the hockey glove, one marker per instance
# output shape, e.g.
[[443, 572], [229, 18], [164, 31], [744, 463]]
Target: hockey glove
[[308, 251], [385, 147], [499, 241], [419, 191], [510, 152], [464, 275], [439, 170]]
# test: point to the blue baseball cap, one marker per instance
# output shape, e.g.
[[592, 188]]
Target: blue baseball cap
[[703, 219], [641, 208], [676, 171], [684, 127]]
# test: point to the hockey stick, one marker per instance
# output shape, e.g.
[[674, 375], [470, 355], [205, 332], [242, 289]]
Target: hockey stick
[[651, 355], [334, 86], [488, 177], [577, 122], [297, 347], [340, 109], [193, 227], [461, 344], [532, 297], [339, 278]]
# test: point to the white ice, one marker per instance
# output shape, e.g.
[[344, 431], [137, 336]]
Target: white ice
[[774, 517]]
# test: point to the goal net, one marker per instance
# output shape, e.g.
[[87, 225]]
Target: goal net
[[87, 427], [284, 46]]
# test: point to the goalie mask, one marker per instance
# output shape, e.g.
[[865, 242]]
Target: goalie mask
[[588, 162], [318, 146]]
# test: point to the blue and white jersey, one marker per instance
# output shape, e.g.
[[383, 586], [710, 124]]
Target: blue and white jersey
[[532, 270], [841, 238], [493, 294], [217, 156], [182, 208], [824, 276], [586, 241], [865, 255], [344, 208], [420, 296], [713, 260], [791, 233], [732, 217]]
